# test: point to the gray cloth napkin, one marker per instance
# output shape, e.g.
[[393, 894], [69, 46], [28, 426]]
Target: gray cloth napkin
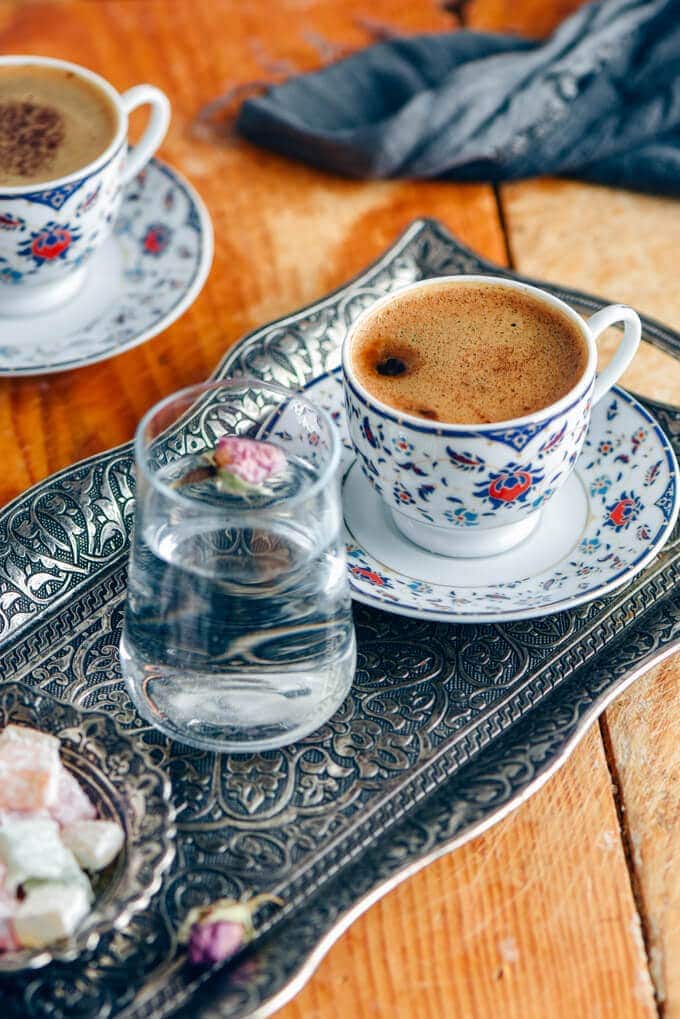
[[599, 100]]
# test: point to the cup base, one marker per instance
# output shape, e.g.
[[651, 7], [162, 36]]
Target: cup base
[[466, 542], [18, 300], [233, 712]]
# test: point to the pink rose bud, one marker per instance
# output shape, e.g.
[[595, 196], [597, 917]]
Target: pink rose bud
[[216, 932], [246, 463], [214, 942]]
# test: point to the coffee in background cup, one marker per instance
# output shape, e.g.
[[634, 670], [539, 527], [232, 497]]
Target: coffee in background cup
[[64, 162], [52, 123]]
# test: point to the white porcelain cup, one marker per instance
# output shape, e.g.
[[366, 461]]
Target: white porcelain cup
[[48, 232], [477, 490]]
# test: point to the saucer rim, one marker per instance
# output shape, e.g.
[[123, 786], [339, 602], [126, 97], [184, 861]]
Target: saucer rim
[[203, 266], [598, 591]]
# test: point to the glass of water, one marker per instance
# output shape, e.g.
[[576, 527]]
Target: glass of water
[[238, 631]]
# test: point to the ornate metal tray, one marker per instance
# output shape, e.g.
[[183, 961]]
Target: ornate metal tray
[[447, 727]]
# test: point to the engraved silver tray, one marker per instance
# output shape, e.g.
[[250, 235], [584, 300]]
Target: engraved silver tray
[[447, 727]]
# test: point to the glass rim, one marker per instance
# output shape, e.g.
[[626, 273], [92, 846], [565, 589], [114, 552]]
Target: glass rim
[[141, 445]]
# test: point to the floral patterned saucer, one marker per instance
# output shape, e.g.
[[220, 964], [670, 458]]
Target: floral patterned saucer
[[143, 278], [606, 524]]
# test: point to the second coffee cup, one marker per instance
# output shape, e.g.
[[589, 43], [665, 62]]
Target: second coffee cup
[[62, 173]]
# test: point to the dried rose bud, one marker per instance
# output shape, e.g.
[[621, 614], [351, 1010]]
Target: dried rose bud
[[216, 932], [243, 464], [213, 942]]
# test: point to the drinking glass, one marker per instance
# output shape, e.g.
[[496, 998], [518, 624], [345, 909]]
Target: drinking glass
[[238, 632]]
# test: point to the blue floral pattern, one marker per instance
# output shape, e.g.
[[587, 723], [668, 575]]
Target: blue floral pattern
[[45, 234], [624, 511], [49, 244], [461, 516], [156, 239], [8, 274], [606, 554], [402, 496], [511, 485], [55, 198], [414, 461], [10, 222], [600, 485], [402, 447], [151, 292]]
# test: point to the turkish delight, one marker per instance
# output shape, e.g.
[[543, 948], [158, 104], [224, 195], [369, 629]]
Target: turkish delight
[[49, 837], [31, 849], [50, 911], [94, 843], [29, 769], [72, 803]]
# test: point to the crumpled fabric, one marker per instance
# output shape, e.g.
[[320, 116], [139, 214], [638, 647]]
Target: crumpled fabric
[[598, 100]]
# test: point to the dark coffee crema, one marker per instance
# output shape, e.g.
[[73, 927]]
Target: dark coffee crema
[[468, 353], [52, 122]]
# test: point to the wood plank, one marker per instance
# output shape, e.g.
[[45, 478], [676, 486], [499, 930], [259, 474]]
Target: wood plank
[[533, 919], [628, 252], [642, 728], [623, 246], [531, 18], [618, 244]]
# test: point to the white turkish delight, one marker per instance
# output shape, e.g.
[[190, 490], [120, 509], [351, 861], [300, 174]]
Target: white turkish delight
[[51, 910], [32, 850], [24, 736], [94, 843], [72, 803], [29, 769], [6, 816], [8, 902], [8, 905], [8, 940]]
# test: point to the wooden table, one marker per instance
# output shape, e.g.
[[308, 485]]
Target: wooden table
[[571, 906]]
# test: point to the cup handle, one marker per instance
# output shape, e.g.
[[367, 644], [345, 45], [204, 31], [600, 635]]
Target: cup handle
[[630, 341], [156, 129]]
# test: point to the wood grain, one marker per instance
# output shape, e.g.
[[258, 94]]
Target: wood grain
[[618, 244], [627, 253], [538, 917], [622, 246], [534, 919], [642, 730], [532, 18]]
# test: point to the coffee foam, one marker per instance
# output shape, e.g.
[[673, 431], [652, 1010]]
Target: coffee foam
[[52, 122], [471, 353]]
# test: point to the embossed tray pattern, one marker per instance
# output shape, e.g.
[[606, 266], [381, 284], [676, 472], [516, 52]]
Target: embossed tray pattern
[[414, 761]]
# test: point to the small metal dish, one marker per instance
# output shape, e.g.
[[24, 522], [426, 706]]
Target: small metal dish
[[119, 777]]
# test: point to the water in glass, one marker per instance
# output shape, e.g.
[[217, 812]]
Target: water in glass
[[238, 632]]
